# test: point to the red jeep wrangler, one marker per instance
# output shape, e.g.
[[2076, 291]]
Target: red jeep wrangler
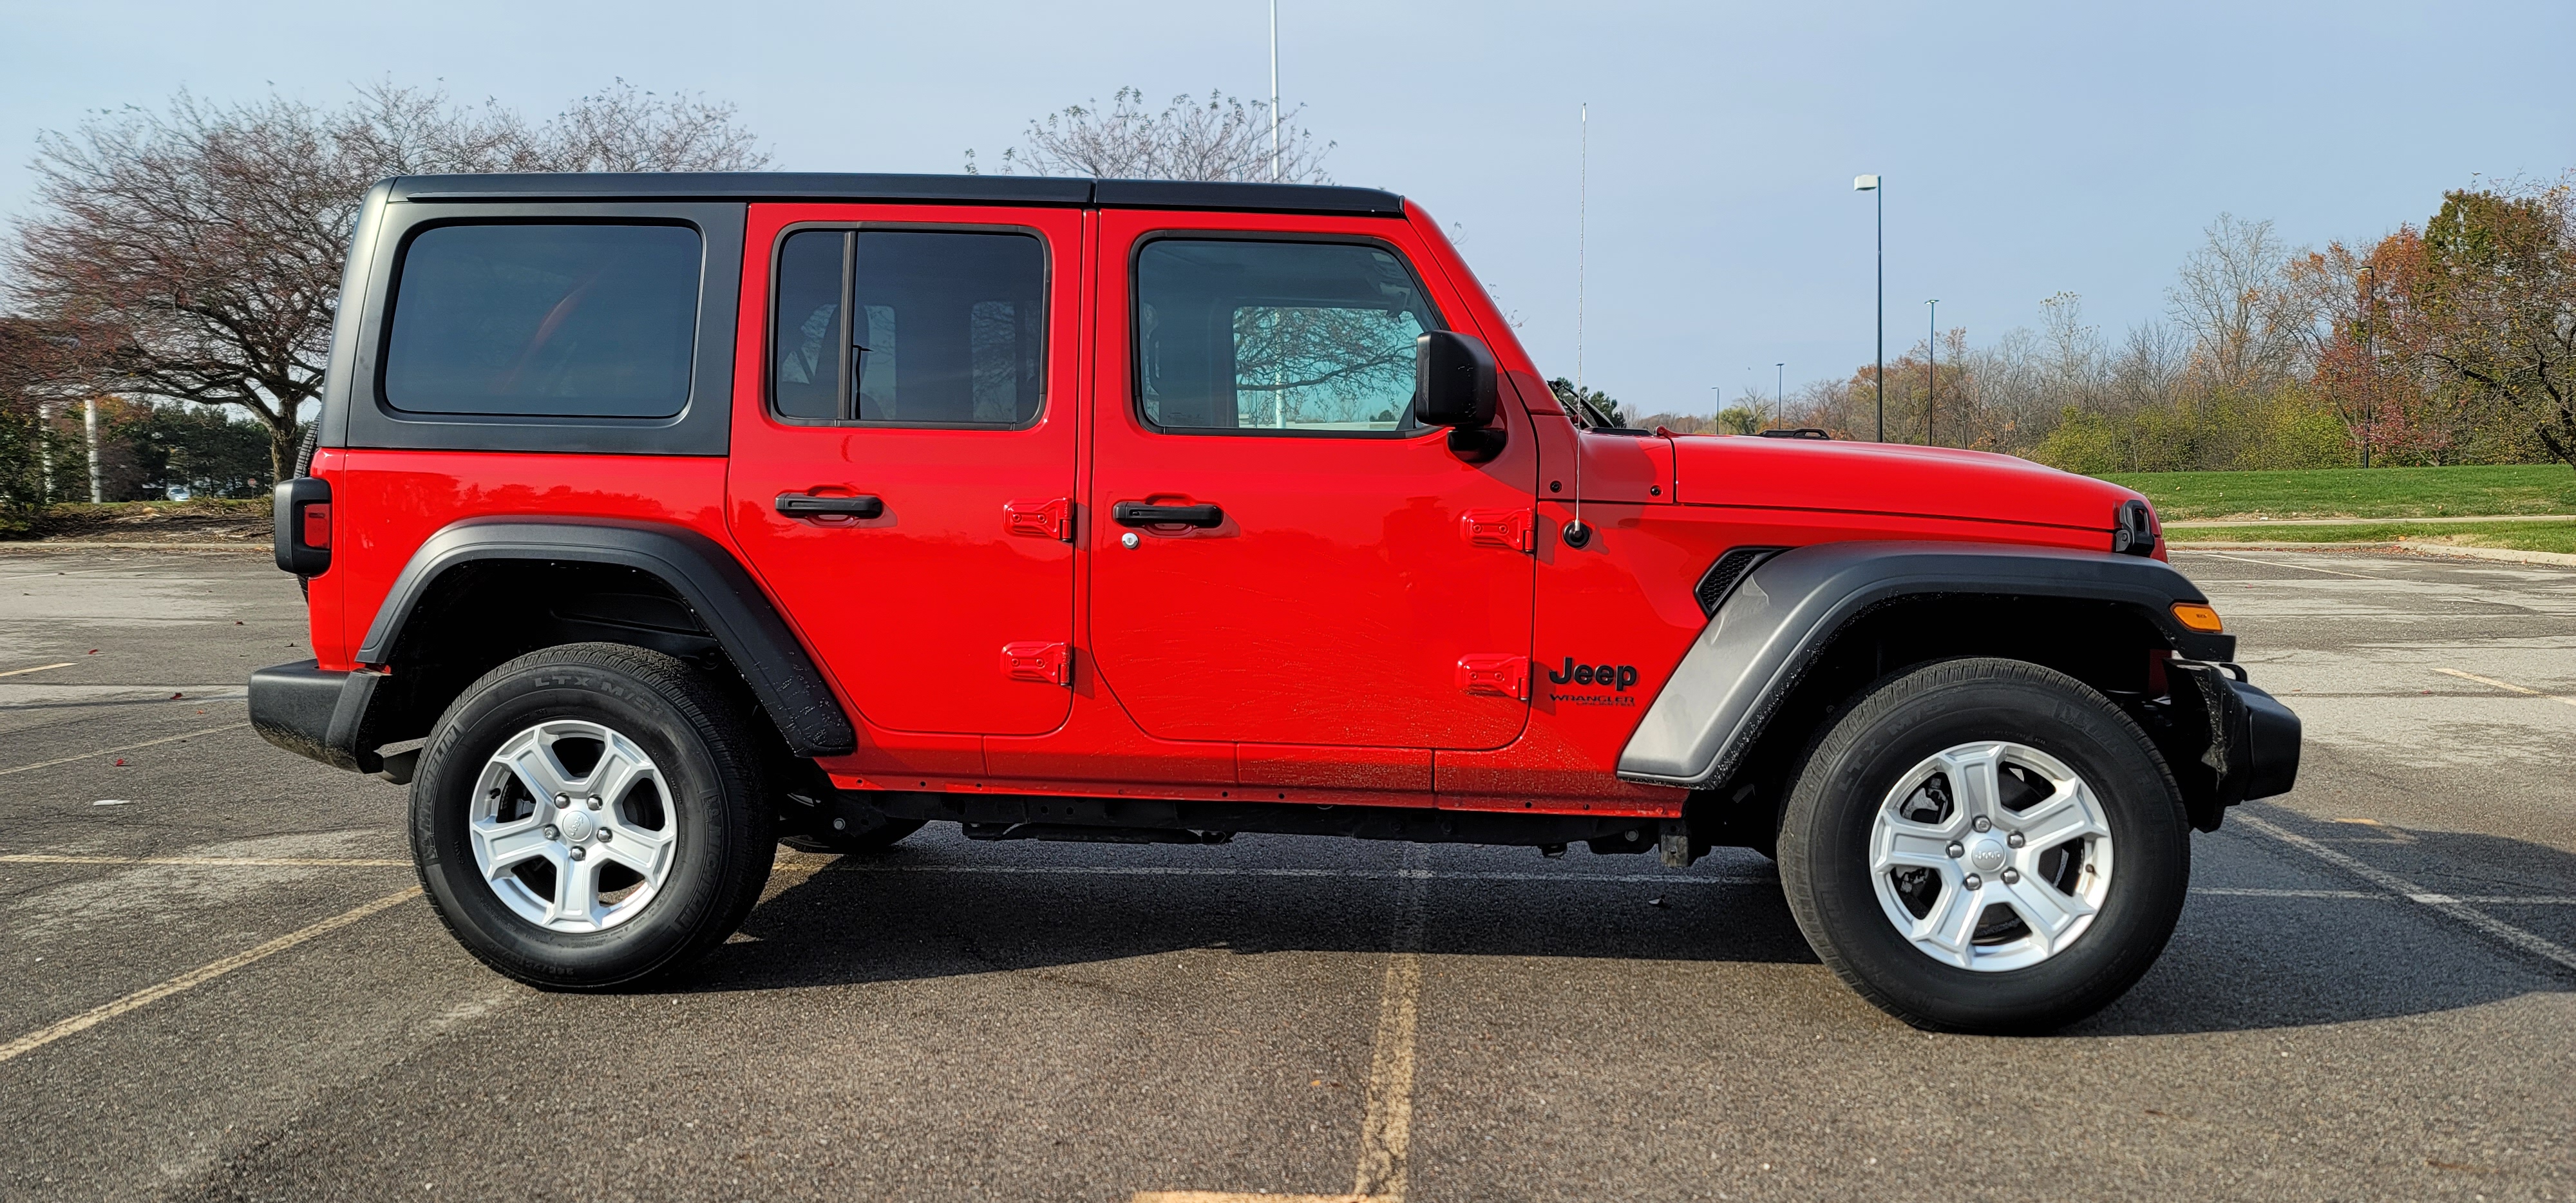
[[653, 519]]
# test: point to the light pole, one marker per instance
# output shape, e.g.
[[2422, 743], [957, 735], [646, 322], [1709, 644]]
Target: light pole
[[1870, 184], [1779, 377], [1274, 91], [1931, 361]]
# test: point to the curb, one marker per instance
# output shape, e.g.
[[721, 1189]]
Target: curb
[[2501, 554], [2439, 520], [108, 545]]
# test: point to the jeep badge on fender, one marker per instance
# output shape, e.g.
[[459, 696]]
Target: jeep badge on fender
[[1090, 563], [1617, 676]]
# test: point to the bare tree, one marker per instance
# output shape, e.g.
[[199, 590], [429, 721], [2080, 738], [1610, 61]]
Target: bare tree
[[2246, 315], [1222, 139], [206, 241]]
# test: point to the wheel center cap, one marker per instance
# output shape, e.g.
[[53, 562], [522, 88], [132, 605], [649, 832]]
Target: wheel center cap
[[1987, 856], [577, 826]]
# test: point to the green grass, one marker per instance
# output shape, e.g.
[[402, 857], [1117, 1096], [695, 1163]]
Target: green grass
[[2359, 492], [2517, 536]]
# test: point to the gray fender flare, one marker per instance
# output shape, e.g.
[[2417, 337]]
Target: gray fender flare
[[703, 573], [1742, 665]]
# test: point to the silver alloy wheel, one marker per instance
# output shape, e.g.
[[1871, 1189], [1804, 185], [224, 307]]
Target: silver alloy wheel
[[573, 850], [1991, 856]]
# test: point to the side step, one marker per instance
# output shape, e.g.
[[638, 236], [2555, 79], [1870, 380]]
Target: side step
[[1077, 833], [1158, 821]]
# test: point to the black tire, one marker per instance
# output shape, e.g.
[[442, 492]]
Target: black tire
[[724, 830], [1901, 721], [884, 833]]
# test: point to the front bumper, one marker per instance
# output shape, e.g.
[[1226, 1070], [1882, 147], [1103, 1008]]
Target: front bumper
[[2247, 742], [2269, 763], [314, 712]]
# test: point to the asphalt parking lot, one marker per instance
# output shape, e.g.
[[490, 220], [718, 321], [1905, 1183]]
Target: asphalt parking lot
[[216, 981]]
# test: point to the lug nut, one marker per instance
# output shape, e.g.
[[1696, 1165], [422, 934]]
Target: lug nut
[[1982, 823], [604, 833], [2015, 840], [577, 854], [2012, 877], [593, 802], [552, 832], [563, 799], [1956, 851], [1972, 881]]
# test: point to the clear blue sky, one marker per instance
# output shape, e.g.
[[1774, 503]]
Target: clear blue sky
[[2029, 148]]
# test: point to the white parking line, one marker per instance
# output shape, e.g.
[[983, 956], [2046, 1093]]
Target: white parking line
[[2507, 686], [197, 977], [47, 764], [328, 862], [2455, 907], [2360, 576], [18, 672], [791, 868]]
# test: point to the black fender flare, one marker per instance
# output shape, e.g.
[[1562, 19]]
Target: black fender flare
[[1711, 711], [701, 571]]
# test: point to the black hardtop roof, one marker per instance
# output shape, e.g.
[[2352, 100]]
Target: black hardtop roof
[[962, 189]]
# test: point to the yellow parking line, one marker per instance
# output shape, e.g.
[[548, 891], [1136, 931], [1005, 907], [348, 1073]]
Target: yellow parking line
[[1386, 1127], [1219, 1196], [47, 764], [197, 977], [2508, 686], [332, 862]]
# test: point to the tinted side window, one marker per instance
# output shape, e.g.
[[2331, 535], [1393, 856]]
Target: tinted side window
[[545, 320], [1277, 337], [910, 328]]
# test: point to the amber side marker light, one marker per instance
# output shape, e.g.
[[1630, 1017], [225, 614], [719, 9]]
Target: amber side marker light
[[2198, 617]]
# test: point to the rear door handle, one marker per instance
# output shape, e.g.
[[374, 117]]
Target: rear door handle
[[1138, 513], [807, 505]]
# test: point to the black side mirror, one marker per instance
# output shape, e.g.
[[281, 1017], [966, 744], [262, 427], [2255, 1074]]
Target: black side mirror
[[1455, 385]]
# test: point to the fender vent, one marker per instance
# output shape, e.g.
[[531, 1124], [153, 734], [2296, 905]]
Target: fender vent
[[1727, 571]]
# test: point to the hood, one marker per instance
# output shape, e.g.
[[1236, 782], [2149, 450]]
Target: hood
[[1888, 478]]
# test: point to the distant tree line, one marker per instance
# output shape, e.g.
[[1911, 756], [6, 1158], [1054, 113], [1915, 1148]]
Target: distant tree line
[[2452, 342], [180, 269]]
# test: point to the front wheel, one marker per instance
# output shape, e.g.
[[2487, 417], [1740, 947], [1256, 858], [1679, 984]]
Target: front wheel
[[1986, 845], [591, 815]]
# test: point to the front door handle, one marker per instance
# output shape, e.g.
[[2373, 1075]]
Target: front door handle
[[807, 505], [1138, 513]]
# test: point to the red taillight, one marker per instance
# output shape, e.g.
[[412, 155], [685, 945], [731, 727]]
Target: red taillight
[[317, 525]]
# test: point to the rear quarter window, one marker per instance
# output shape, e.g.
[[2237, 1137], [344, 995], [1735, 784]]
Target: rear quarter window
[[553, 320]]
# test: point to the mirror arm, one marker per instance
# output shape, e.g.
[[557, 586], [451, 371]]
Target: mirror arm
[[1478, 444]]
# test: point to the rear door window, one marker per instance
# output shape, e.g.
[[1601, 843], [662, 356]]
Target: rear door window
[[910, 328], [552, 320]]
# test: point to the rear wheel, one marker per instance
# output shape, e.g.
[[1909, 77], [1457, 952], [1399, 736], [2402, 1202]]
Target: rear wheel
[[590, 815], [1986, 845]]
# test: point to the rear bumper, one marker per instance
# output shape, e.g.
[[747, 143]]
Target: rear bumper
[[314, 713]]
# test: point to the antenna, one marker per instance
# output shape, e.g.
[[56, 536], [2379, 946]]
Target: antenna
[[1577, 534], [1274, 91]]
